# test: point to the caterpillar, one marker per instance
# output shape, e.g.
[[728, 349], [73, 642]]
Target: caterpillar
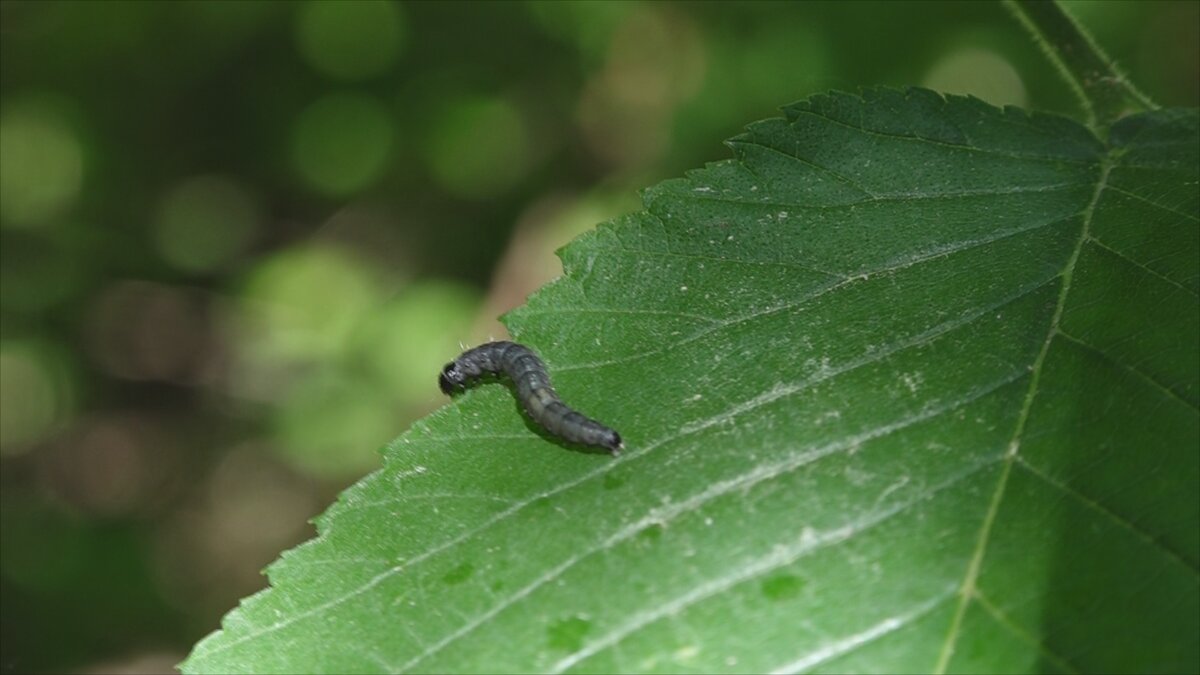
[[534, 391]]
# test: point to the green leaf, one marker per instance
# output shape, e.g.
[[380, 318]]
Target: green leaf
[[911, 384]]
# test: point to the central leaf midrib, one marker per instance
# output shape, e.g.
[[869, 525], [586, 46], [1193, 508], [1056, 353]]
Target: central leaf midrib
[[970, 576]]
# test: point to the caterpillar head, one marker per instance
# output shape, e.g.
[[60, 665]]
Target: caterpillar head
[[452, 379], [612, 441]]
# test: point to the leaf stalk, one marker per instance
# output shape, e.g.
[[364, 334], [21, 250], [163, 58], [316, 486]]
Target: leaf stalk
[[1104, 92]]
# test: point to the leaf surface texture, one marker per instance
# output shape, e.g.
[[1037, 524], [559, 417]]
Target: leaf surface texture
[[910, 384]]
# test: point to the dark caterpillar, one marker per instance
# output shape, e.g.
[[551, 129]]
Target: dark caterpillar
[[536, 394]]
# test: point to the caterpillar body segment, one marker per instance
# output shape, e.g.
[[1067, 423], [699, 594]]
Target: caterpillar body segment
[[534, 390]]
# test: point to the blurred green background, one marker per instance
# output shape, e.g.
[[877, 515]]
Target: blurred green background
[[238, 239]]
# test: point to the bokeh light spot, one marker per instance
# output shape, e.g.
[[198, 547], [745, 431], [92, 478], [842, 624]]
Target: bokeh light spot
[[586, 26], [350, 40], [479, 148], [978, 72], [213, 550], [413, 336], [330, 424], [254, 507], [146, 331], [205, 222], [342, 143], [112, 464], [41, 164], [656, 60], [34, 395], [545, 226], [304, 302]]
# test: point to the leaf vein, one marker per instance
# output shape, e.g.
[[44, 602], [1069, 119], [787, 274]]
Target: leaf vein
[[947, 144], [923, 338], [1162, 207], [1022, 634], [893, 266], [808, 162], [778, 557], [1093, 505], [617, 310], [971, 574], [850, 643], [890, 197], [736, 261], [663, 515], [1129, 368], [1141, 266], [436, 495]]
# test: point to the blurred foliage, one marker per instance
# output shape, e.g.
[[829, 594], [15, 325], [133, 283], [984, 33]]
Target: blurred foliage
[[238, 238]]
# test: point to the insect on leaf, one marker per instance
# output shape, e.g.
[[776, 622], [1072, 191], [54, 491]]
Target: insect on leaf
[[910, 384]]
